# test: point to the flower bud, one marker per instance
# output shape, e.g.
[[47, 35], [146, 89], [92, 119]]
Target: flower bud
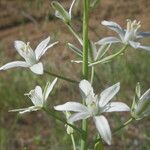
[[69, 129], [61, 12], [141, 105]]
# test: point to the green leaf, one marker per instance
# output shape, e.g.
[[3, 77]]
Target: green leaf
[[75, 49]]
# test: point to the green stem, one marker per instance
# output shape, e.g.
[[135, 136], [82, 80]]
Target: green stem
[[61, 77], [74, 33], [124, 125], [108, 58], [92, 74], [85, 61], [101, 144], [73, 142], [51, 113]]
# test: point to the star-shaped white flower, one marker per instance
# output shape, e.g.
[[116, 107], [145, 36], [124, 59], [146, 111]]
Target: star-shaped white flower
[[37, 97], [31, 57], [127, 36], [95, 106], [141, 107]]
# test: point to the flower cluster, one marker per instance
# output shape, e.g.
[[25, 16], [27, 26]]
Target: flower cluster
[[93, 106]]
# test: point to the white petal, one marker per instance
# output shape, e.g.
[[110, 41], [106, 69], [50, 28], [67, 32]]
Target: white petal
[[14, 64], [103, 128], [36, 96], [38, 91], [77, 61], [108, 94], [137, 45], [145, 96], [41, 47], [49, 88], [145, 47], [20, 45], [117, 106], [86, 88], [25, 110], [134, 44], [37, 68], [79, 116], [49, 46], [143, 34], [114, 26], [108, 40], [71, 106]]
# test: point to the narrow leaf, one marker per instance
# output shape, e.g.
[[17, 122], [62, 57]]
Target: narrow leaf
[[75, 49]]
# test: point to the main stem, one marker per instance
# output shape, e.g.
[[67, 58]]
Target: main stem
[[85, 61]]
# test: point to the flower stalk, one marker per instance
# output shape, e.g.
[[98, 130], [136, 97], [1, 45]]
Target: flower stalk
[[85, 60], [52, 114], [61, 77], [124, 125], [73, 142], [74, 33], [109, 58]]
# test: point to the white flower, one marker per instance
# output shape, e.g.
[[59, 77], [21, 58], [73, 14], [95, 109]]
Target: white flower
[[31, 57], [141, 107], [95, 106], [127, 36], [37, 97]]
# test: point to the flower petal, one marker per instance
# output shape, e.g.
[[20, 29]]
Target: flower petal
[[103, 128], [79, 116], [14, 64], [86, 88], [87, 91], [145, 47], [145, 96], [36, 96], [134, 44], [108, 40], [115, 27], [143, 34], [25, 110], [137, 45], [37, 68], [117, 106], [71, 106], [49, 88], [41, 47], [20, 45], [77, 61], [108, 94]]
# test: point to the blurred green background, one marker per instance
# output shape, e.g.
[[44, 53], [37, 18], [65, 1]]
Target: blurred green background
[[33, 20]]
